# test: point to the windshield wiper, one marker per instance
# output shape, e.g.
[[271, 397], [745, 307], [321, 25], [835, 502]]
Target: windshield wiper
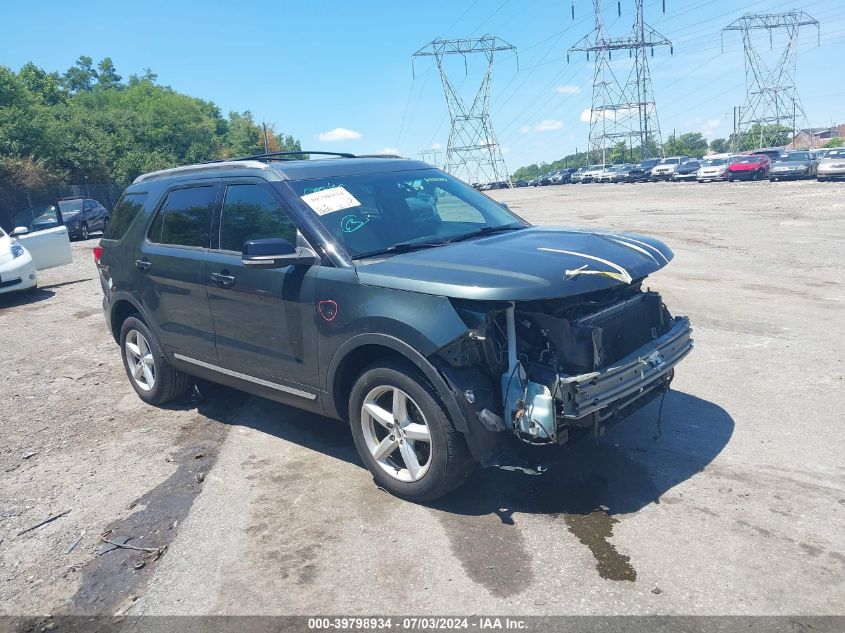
[[488, 230], [401, 247]]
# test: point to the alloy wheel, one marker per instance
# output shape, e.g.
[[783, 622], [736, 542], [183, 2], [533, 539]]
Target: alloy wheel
[[396, 433], [139, 359]]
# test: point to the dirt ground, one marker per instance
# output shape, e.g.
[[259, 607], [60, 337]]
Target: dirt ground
[[735, 505]]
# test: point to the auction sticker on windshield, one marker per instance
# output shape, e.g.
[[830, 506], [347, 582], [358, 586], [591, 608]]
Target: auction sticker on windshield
[[330, 200]]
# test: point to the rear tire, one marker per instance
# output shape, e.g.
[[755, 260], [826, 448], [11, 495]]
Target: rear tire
[[150, 374], [420, 457]]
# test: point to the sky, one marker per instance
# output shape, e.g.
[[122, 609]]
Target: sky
[[338, 75]]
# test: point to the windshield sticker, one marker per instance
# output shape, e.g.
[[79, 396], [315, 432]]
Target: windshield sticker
[[330, 200], [351, 223]]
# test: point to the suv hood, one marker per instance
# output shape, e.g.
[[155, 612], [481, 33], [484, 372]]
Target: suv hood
[[529, 264]]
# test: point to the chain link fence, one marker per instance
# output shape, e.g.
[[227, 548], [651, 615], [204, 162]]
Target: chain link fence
[[16, 200]]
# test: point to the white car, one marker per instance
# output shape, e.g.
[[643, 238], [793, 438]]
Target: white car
[[832, 166], [34, 245], [594, 172], [665, 169]]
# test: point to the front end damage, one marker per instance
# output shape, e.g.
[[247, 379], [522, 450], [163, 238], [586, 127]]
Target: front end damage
[[553, 371]]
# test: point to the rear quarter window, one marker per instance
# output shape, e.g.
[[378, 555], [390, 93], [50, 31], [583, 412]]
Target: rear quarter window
[[123, 215], [185, 217]]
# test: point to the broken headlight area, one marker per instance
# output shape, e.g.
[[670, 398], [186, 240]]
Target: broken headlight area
[[551, 371]]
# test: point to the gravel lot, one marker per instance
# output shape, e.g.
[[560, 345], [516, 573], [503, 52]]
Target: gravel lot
[[735, 506]]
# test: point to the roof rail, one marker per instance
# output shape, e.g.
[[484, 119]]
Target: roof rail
[[379, 156], [284, 155]]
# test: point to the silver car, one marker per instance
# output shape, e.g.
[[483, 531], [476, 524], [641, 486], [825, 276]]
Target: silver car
[[714, 169], [832, 166]]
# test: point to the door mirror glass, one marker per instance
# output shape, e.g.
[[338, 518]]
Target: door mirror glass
[[20, 230], [275, 252]]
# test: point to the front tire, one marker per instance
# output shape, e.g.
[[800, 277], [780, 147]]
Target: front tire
[[151, 376], [83, 232], [404, 435]]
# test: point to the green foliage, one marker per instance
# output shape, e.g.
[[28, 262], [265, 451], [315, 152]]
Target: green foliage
[[836, 141], [692, 144], [719, 146], [87, 123], [758, 136]]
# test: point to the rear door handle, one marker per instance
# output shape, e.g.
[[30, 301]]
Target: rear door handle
[[223, 278], [143, 265]]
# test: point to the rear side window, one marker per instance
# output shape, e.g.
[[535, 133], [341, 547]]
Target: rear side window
[[185, 217], [123, 214], [250, 212]]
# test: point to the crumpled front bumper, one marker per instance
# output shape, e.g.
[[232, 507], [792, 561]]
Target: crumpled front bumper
[[629, 378]]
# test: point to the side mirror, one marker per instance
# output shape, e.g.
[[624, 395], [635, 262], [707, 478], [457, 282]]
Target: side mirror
[[20, 230], [276, 252], [505, 206]]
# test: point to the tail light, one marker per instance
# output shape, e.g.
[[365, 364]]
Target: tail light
[[98, 253]]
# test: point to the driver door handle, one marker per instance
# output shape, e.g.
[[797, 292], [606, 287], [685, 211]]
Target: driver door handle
[[143, 265], [223, 278]]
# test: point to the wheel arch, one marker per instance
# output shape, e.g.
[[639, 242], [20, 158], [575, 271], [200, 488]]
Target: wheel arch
[[121, 308], [363, 350]]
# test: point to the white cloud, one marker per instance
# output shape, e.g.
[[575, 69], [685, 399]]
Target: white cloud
[[568, 89], [610, 115], [389, 150], [548, 124], [505, 149], [339, 134], [709, 127], [437, 146]]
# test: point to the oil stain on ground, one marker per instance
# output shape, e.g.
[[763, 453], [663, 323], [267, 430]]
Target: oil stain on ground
[[594, 530], [116, 574]]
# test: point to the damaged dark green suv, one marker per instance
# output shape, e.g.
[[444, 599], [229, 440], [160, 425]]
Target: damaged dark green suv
[[385, 292]]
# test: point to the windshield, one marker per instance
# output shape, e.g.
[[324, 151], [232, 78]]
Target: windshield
[[38, 218], [372, 213], [712, 162], [750, 159], [796, 156], [70, 206], [835, 153]]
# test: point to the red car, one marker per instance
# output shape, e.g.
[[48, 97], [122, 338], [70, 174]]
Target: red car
[[751, 167]]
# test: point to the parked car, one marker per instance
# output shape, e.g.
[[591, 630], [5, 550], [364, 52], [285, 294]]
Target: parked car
[[712, 169], [793, 165], [687, 171], [641, 172], [749, 167], [520, 183], [38, 242], [832, 166], [772, 153], [665, 169], [388, 301], [593, 172], [562, 176], [622, 173], [83, 216], [577, 174]]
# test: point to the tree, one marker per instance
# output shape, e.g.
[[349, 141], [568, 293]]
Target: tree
[[692, 144], [719, 146], [107, 76], [80, 77], [836, 141]]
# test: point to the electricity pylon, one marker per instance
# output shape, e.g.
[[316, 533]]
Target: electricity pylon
[[771, 99], [622, 111], [429, 156], [473, 153]]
